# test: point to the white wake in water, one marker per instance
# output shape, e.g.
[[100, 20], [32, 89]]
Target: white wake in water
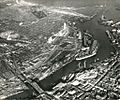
[[60, 10], [22, 2]]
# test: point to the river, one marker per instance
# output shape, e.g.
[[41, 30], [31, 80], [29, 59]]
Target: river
[[97, 30]]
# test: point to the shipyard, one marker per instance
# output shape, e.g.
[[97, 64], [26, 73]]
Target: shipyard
[[59, 50]]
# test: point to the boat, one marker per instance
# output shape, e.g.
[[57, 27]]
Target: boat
[[89, 52]]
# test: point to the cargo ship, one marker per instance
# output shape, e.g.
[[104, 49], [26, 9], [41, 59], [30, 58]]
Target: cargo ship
[[90, 52]]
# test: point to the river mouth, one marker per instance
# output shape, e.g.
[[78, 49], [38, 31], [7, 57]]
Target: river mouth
[[84, 7], [97, 30]]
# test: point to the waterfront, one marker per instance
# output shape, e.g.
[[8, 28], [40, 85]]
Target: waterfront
[[97, 30]]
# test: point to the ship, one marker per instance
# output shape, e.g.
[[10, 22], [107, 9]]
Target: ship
[[113, 36], [93, 51]]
